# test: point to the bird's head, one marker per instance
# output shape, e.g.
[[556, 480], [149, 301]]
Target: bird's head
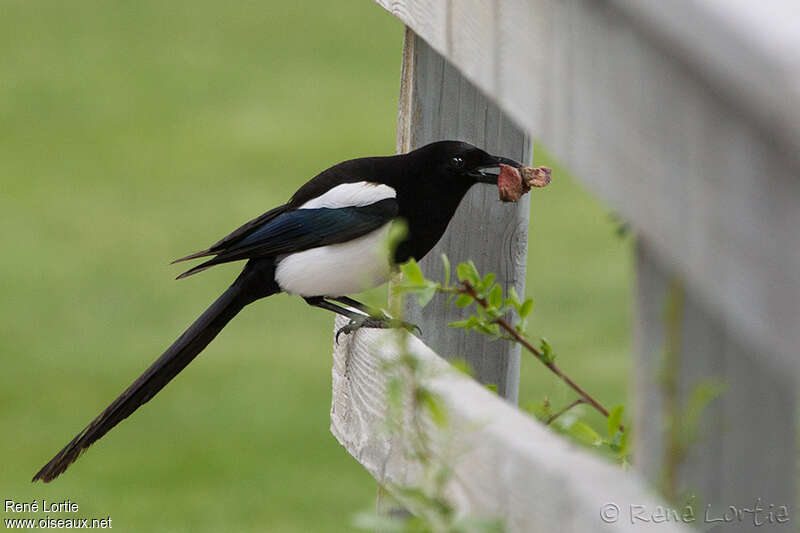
[[465, 163]]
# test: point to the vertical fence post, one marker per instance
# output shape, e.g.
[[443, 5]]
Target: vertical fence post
[[437, 102], [741, 452]]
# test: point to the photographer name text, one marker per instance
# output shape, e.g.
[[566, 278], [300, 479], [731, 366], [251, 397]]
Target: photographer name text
[[35, 506]]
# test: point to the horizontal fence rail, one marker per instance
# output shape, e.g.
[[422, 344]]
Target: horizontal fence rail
[[505, 464]]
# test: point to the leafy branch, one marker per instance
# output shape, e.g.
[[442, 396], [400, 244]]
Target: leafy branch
[[552, 418], [411, 406], [491, 310]]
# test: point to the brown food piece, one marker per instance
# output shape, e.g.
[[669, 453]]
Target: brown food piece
[[535, 177], [513, 183], [509, 184]]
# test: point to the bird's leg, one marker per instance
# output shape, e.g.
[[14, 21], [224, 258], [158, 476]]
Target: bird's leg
[[355, 304], [322, 303], [375, 313], [358, 320]]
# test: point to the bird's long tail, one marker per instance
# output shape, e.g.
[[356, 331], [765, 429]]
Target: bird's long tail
[[256, 281]]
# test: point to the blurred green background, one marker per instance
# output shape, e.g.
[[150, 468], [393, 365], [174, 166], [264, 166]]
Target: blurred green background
[[132, 133]]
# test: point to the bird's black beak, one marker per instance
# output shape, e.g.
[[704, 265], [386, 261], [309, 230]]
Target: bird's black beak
[[488, 173]]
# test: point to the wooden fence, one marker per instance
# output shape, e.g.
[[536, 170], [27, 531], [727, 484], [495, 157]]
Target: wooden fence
[[684, 117]]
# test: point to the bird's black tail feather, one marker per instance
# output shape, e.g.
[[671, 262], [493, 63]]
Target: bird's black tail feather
[[256, 281]]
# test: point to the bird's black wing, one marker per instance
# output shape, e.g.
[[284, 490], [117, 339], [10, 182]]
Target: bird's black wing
[[301, 229], [237, 234]]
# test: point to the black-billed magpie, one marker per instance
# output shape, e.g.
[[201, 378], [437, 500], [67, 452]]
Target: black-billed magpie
[[326, 242]]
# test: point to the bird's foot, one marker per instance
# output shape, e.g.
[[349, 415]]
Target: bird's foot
[[375, 322]]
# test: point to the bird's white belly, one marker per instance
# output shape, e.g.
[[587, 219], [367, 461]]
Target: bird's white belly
[[337, 269]]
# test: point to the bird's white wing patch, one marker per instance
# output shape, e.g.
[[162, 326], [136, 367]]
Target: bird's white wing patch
[[356, 194], [337, 269]]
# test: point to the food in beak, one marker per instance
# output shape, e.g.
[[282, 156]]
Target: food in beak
[[513, 183], [535, 177]]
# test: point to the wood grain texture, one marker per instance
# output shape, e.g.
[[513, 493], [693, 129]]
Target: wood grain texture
[[505, 463], [693, 136], [683, 117], [745, 450], [436, 103], [746, 52]]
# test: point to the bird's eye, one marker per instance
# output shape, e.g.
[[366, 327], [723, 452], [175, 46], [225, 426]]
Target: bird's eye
[[457, 162]]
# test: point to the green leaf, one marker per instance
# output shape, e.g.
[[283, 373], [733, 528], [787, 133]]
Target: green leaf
[[487, 281], [398, 231], [493, 313], [565, 422], [461, 364], [473, 322], [700, 397], [394, 393], [547, 351], [541, 411], [496, 296], [446, 266], [488, 329], [397, 288], [468, 272], [615, 441], [412, 272], [410, 361], [614, 419], [463, 300], [426, 295], [435, 406], [624, 442], [402, 287], [413, 495], [492, 387], [450, 298], [526, 308], [459, 324], [513, 296], [584, 433]]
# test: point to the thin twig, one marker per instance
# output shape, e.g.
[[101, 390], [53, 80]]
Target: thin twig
[[555, 415], [503, 323]]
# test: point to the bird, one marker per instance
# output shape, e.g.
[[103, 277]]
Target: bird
[[325, 243]]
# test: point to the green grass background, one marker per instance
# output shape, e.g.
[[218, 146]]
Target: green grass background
[[132, 133]]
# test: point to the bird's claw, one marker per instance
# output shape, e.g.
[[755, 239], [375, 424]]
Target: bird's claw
[[374, 322]]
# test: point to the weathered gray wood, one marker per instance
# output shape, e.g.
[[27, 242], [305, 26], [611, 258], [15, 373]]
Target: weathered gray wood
[[505, 464], [436, 103], [745, 450], [682, 115], [747, 52]]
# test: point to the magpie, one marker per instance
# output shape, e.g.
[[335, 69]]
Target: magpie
[[326, 242]]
